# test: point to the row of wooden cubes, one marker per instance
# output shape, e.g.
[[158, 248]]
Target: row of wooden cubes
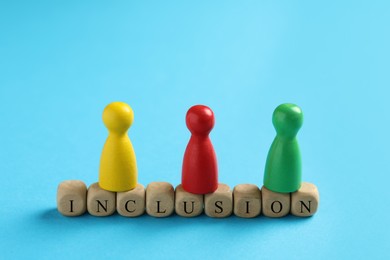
[[160, 199]]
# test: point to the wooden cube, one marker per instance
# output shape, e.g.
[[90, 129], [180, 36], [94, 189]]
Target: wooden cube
[[160, 199], [100, 202], [72, 198], [274, 204], [219, 204], [187, 204], [131, 203], [247, 200], [304, 202]]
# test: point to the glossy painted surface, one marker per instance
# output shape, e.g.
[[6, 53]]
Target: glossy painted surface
[[283, 171], [200, 169], [118, 165]]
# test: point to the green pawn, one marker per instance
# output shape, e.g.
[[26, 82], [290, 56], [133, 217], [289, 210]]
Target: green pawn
[[283, 166]]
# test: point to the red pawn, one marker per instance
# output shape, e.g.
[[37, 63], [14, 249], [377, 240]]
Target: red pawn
[[200, 170]]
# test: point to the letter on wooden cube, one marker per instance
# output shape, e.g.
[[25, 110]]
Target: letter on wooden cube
[[219, 204], [100, 202], [131, 203], [304, 202], [72, 198], [188, 204], [247, 200], [274, 204], [160, 199]]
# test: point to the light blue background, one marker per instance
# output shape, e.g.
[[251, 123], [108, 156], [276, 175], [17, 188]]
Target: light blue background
[[61, 62]]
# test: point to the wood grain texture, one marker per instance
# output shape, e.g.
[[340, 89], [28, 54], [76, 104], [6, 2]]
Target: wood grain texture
[[160, 199], [131, 203], [188, 204], [304, 202], [247, 200], [274, 204], [72, 198], [219, 204], [100, 202]]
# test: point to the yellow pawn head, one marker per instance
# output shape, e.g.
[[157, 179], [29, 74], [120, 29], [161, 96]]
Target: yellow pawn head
[[118, 117]]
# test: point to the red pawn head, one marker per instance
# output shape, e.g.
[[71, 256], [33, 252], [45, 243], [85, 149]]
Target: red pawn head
[[200, 120], [200, 171]]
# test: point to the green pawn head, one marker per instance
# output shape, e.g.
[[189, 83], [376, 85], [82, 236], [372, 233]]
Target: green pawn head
[[283, 166], [287, 120]]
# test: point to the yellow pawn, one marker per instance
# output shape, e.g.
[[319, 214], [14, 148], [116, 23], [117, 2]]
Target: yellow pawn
[[118, 166]]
